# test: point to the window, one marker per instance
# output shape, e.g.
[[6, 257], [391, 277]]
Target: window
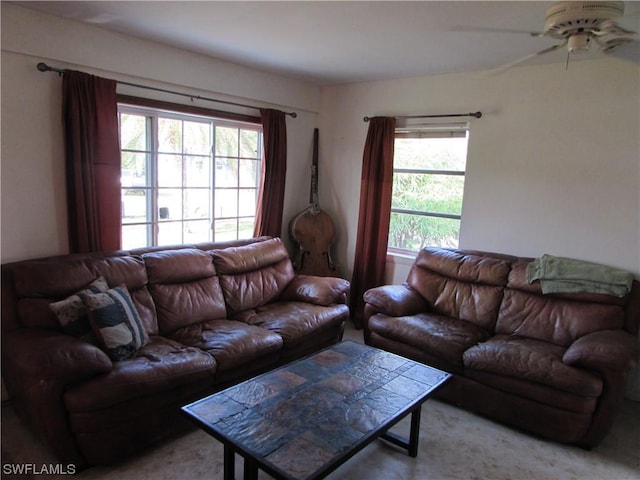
[[428, 181], [187, 178]]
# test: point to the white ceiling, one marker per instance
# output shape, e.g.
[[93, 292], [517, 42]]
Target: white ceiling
[[335, 41]]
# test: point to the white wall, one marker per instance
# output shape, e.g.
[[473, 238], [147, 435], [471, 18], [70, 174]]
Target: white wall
[[553, 166], [33, 186]]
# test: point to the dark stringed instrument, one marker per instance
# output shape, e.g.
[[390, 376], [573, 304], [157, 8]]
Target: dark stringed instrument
[[314, 231]]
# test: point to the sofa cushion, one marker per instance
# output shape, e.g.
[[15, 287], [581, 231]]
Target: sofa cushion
[[552, 319], [438, 335], [72, 312], [247, 258], [115, 322], [230, 342], [126, 270], [160, 365], [295, 321], [460, 285], [186, 304], [184, 287], [40, 282], [466, 266], [178, 266], [51, 278], [253, 275], [532, 360], [131, 272]]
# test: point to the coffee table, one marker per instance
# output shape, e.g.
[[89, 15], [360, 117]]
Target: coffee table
[[303, 420]]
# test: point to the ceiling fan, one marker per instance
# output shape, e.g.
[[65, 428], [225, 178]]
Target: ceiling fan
[[578, 25]]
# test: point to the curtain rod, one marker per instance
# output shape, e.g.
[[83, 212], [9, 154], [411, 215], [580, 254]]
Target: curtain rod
[[472, 114], [43, 67]]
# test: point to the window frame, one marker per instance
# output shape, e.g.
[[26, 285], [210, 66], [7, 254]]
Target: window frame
[[444, 130], [152, 110]]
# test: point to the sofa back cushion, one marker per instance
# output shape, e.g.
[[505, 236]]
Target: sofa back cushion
[[556, 318], [130, 271], [40, 282], [184, 287], [253, 275], [461, 284]]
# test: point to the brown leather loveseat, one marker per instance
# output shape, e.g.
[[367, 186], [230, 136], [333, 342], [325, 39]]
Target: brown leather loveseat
[[210, 315], [551, 364]]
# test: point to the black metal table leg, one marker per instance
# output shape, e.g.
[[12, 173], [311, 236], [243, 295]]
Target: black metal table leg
[[411, 445], [250, 469], [229, 463], [414, 433]]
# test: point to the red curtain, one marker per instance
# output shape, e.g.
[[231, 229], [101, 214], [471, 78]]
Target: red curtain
[[274, 172], [92, 162], [375, 212]]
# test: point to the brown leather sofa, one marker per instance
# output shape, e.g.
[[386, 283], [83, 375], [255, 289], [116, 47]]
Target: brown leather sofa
[[554, 365], [214, 314]]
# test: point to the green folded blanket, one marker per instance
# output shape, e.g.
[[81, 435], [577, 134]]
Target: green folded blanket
[[567, 275]]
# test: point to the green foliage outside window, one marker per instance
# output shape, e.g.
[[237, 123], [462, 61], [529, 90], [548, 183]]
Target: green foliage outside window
[[433, 186]]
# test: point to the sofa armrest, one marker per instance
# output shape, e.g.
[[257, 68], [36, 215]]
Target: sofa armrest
[[323, 291], [42, 354], [38, 365], [603, 350], [396, 300]]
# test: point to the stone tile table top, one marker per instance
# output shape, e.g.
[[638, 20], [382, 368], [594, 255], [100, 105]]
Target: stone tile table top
[[303, 420]]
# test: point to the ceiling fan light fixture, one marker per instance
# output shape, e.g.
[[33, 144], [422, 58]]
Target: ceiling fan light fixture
[[579, 43]]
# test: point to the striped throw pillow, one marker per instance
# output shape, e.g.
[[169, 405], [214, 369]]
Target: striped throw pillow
[[115, 322]]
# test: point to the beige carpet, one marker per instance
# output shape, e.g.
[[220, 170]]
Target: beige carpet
[[454, 444]]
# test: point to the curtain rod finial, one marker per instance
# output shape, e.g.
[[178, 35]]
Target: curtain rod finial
[[366, 119], [43, 67], [477, 114]]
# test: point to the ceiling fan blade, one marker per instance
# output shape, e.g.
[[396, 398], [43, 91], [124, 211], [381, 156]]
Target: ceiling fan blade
[[505, 66], [609, 27], [495, 30], [624, 48]]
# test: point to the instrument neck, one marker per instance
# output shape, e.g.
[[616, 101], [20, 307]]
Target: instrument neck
[[315, 205]]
